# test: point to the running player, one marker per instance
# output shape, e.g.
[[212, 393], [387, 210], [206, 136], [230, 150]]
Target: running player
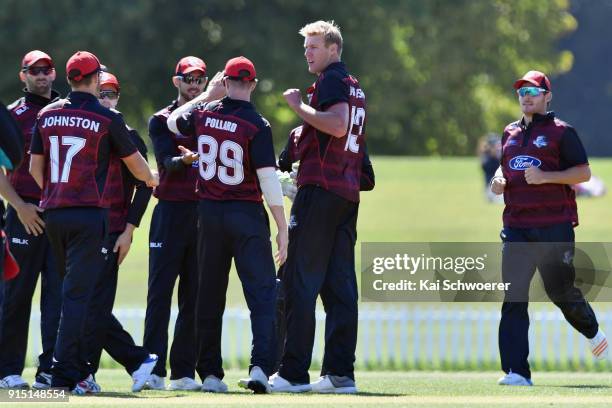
[[330, 148], [237, 164], [27, 241], [70, 155], [542, 157]]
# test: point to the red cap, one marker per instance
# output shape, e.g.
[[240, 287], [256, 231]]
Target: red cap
[[33, 57], [106, 78], [535, 78], [190, 64], [81, 64], [240, 68]]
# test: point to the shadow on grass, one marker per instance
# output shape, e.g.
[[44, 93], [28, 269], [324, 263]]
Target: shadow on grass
[[146, 395], [375, 394], [581, 386]]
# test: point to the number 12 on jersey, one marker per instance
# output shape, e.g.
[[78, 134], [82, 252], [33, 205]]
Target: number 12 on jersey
[[75, 144], [208, 160]]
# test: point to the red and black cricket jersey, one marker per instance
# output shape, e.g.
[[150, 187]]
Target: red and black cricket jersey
[[551, 145], [233, 142], [128, 196], [25, 110], [333, 163], [77, 136], [177, 181]]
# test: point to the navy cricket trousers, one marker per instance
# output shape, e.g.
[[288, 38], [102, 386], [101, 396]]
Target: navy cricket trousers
[[321, 260], [556, 268], [236, 230], [35, 258], [77, 236], [104, 330], [172, 255]]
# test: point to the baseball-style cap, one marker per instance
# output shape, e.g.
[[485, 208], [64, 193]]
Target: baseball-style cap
[[81, 64], [240, 68], [535, 78], [33, 57], [106, 78], [190, 64]]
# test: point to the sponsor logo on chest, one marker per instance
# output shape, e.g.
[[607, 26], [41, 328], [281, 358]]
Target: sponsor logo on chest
[[522, 162], [19, 241], [540, 142]]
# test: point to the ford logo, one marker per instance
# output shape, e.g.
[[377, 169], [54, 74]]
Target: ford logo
[[523, 162]]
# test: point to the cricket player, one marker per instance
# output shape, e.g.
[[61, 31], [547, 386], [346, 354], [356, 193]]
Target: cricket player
[[322, 229], [172, 239], [129, 198], [11, 155], [542, 156], [236, 166], [27, 241], [71, 150]]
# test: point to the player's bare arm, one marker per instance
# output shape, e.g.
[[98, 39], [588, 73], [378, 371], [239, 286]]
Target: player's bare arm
[[573, 175], [215, 91], [27, 213], [334, 121], [124, 242], [273, 194], [498, 182], [141, 170]]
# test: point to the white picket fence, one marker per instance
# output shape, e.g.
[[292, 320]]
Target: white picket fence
[[415, 336]]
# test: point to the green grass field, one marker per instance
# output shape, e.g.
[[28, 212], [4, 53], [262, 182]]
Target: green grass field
[[376, 389], [415, 199]]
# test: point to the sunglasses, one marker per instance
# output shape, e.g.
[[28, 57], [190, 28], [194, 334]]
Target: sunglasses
[[531, 91], [189, 79], [109, 94], [38, 70]]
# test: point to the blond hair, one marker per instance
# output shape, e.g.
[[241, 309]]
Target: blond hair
[[328, 29]]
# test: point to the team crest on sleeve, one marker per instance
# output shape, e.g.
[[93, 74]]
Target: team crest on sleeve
[[512, 142], [523, 162], [540, 142]]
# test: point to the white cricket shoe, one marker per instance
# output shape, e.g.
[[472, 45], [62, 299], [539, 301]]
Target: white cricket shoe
[[155, 382], [514, 379], [599, 346], [142, 374], [333, 384], [184, 384], [257, 381], [14, 381], [279, 384], [42, 381], [87, 386], [213, 384]]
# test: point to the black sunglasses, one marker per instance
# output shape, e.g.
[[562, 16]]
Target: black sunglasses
[[38, 70], [109, 94], [189, 79]]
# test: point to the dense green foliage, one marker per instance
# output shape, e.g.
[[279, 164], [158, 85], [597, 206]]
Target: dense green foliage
[[437, 73]]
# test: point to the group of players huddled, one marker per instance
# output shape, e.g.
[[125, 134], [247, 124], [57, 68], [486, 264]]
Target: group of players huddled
[[83, 188]]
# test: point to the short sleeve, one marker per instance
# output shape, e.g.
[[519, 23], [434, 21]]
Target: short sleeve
[[572, 152], [262, 148], [120, 138], [186, 124], [36, 144], [331, 90]]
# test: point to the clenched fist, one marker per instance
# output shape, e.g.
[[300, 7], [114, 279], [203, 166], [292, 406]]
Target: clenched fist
[[293, 98]]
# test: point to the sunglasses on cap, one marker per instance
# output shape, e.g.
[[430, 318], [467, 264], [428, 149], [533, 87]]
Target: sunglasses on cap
[[531, 91], [190, 79], [109, 94], [38, 70]]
